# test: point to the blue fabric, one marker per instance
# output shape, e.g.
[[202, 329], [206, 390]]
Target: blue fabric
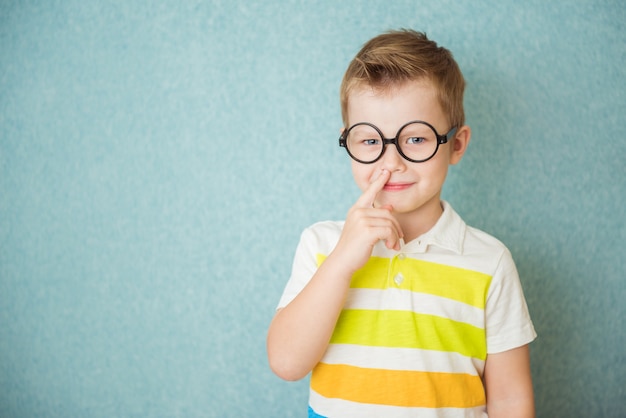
[[313, 414]]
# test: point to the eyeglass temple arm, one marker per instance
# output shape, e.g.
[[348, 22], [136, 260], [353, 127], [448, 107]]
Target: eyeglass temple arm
[[445, 138]]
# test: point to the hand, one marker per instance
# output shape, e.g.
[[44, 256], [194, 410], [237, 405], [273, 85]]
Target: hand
[[366, 225]]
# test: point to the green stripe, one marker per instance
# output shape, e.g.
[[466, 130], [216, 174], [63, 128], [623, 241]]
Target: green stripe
[[406, 329]]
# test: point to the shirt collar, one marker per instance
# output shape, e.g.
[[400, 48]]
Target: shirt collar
[[448, 233]]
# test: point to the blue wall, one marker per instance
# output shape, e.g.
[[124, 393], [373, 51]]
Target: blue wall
[[159, 161]]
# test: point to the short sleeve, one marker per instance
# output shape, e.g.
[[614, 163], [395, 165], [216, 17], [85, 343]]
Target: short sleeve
[[318, 239], [508, 323]]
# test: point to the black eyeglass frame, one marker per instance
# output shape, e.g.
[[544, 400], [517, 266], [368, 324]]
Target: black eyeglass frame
[[441, 139]]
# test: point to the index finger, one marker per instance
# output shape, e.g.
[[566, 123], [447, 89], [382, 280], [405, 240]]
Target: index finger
[[368, 197]]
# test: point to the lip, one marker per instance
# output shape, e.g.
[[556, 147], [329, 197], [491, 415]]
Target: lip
[[396, 187]]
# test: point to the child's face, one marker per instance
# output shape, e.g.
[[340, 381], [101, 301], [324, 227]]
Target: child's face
[[412, 186]]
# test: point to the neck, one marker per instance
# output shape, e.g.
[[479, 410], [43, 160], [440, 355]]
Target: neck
[[420, 221]]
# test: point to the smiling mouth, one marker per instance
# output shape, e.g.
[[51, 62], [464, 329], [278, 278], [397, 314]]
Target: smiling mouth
[[394, 187]]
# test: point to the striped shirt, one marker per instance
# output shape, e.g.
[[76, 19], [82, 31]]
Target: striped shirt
[[417, 324]]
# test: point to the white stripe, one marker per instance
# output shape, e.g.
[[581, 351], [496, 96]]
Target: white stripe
[[332, 408], [405, 300], [402, 359]]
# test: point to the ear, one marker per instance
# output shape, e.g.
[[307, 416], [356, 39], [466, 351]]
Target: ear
[[459, 143]]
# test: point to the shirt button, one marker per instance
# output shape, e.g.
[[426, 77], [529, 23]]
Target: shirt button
[[398, 279], [401, 256]]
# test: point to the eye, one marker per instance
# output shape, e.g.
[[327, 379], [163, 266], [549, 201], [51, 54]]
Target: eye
[[415, 140], [372, 141]]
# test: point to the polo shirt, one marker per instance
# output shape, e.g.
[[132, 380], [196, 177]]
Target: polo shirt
[[417, 324]]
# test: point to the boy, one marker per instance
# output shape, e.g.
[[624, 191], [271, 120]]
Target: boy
[[403, 310]]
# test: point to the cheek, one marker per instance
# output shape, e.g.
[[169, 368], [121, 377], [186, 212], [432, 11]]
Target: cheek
[[437, 171], [362, 174]]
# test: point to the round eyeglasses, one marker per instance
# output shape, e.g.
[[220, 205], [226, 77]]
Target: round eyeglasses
[[417, 141]]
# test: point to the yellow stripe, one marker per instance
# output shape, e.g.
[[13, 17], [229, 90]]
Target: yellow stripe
[[406, 329], [454, 283], [398, 387]]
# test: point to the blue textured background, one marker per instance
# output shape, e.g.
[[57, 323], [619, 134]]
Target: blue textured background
[[158, 161]]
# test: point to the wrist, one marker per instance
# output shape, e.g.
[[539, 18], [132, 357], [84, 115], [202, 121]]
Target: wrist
[[341, 266]]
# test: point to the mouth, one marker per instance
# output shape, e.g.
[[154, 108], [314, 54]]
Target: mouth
[[396, 187]]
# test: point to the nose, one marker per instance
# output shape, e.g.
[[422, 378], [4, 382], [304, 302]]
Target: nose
[[391, 159]]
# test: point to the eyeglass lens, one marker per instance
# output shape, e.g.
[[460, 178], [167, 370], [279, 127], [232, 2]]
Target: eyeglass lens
[[417, 141]]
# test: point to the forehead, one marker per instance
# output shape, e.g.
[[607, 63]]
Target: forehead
[[389, 107]]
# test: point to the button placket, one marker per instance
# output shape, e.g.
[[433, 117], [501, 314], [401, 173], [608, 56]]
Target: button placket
[[398, 279], [396, 269]]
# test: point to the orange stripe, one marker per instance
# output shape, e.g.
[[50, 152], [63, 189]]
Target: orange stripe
[[398, 387]]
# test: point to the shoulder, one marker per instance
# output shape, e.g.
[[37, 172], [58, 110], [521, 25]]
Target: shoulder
[[322, 236], [480, 251], [476, 239], [470, 240], [324, 229], [489, 255]]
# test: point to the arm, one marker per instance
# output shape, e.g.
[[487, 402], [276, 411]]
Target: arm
[[509, 385], [299, 333]]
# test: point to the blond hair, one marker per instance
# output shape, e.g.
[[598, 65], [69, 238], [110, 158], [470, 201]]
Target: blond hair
[[398, 56]]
